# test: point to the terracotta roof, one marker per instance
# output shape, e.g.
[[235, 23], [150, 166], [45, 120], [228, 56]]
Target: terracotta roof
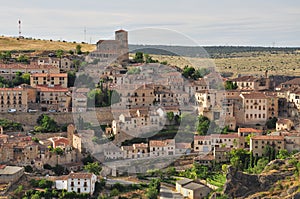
[[26, 66], [127, 148], [140, 145], [80, 175], [160, 143], [56, 88], [63, 177], [295, 81], [230, 135], [49, 74], [267, 137], [11, 89], [284, 121], [183, 145], [249, 130], [82, 90], [254, 95], [244, 79]]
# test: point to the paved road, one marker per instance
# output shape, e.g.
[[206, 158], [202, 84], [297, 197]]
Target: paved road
[[166, 193]]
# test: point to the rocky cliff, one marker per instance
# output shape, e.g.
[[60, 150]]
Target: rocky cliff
[[280, 178]]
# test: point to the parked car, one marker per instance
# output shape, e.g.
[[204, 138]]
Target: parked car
[[12, 110], [52, 111], [32, 111]]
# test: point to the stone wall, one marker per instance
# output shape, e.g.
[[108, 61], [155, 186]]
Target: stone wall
[[98, 116]]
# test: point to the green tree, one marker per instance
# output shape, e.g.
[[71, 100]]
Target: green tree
[[59, 53], [114, 192], [139, 57], [239, 158], [58, 151], [283, 154], [259, 167], [5, 56], [151, 193], [23, 59], [170, 116], [271, 123], [71, 78], [202, 125], [26, 78], [229, 85], [269, 152], [188, 72], [78, 50], [93, 167], [19, 190]]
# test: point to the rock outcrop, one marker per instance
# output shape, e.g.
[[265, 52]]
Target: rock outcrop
[[278, 176]]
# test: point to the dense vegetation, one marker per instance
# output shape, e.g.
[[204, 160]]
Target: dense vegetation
[[10, 125]]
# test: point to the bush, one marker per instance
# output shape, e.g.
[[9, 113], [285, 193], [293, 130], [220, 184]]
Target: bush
[[28, 169], [114, 192]]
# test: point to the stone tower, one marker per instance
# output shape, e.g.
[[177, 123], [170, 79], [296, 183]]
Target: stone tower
[[70, 132], [122, 37]]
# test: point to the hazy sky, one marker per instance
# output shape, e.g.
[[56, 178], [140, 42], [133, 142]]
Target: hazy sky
[[175, 22]]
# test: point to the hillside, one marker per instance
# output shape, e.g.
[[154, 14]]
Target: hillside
[[11, 44], [280, 179]]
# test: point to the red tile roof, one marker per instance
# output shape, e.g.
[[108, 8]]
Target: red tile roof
[[267, 137], [49, 74], [80, 175], [56, 88], [254, 95], [249, 130], [26, 66]]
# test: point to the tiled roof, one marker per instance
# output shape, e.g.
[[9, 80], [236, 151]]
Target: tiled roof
[[26, 66], [283, 121], [249, 130], [244, 79], [159, 143], [267, 137], [51, 89], [11, 89], [49, 74], [295, 81], [80, 175], [254, 95], [182, 145]]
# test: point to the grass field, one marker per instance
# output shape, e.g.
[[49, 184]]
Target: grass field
[[9, 43], [245, 63]]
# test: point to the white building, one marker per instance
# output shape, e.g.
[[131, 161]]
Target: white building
[[78, 182]]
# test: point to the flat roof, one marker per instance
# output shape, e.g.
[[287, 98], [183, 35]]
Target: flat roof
[[10, 170]]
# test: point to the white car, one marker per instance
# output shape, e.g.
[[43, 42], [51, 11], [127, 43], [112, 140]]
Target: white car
[[12, 110]]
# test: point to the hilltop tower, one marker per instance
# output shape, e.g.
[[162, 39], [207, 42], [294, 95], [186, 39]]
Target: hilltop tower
[[122, 37]]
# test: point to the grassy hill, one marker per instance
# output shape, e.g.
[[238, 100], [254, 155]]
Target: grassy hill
[[9, 43]]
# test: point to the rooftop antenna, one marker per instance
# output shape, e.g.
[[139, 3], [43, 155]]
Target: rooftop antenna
[[84, 34], [19, 28]]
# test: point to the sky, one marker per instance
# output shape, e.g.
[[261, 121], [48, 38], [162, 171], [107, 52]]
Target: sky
[[168, 22]]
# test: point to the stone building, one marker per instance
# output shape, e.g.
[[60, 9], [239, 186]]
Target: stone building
[[60, 79], [13, 98], [259, 143], [8, 71], [109, 51]]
